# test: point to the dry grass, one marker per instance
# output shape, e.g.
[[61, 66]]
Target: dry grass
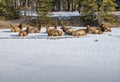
[[6, 24]]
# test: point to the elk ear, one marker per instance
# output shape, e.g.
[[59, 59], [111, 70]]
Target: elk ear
[[28, 28], [40, 25], [55, 26]]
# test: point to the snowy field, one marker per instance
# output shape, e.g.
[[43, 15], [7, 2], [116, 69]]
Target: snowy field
[[38, 58], [58, 14], [53, 14]]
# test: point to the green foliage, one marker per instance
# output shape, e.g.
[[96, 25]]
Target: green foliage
[[103, 8], [44, 9], [3, 7], [13, 14], [8, 11]]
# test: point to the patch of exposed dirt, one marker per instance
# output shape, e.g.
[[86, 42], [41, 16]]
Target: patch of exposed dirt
[[6, 24]]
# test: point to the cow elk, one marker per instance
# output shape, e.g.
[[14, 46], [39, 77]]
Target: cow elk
[[53, 31], [16, 28]]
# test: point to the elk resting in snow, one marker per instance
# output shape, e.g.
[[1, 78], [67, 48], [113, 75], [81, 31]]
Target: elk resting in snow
[[67, 30], [16, 28], [24, 32], [92, 30], [53, 31], [105, 28], [35, 29], [79, 32]]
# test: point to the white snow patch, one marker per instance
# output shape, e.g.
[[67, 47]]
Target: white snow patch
[[80, 59]]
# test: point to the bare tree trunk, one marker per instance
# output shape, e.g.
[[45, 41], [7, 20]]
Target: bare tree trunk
[[72, 5], [68, 1], [58, 5]]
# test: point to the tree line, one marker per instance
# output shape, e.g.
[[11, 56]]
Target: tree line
[[102, 8]]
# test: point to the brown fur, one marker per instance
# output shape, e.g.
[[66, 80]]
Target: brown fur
[[23, 33], [35, 30], [54, 31], [83, 29], [67, 30], [79, 32], [97, 31], [92, 30], [105, 28], [16, 28]]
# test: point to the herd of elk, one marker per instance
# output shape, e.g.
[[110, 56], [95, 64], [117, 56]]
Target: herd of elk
[[25, 32], [64, 29], [89, 30]]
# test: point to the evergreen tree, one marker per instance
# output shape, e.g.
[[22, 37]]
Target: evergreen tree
[[103, 8], [3, 5], [58, 4], [13, 11], [7, 10], [44, 9]]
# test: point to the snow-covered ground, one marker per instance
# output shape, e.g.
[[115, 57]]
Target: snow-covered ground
[[58, 14], [53, 14], [93, 58]]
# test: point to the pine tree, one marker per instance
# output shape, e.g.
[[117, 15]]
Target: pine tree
[[7, 10], [3, 5], [106, 9], [103, 8], [44, 9]]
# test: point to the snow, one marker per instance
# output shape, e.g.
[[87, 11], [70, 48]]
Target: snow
[[92, 58], [29, 12], [117, 13], [65, 14], [53, 14], [60, 14]]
